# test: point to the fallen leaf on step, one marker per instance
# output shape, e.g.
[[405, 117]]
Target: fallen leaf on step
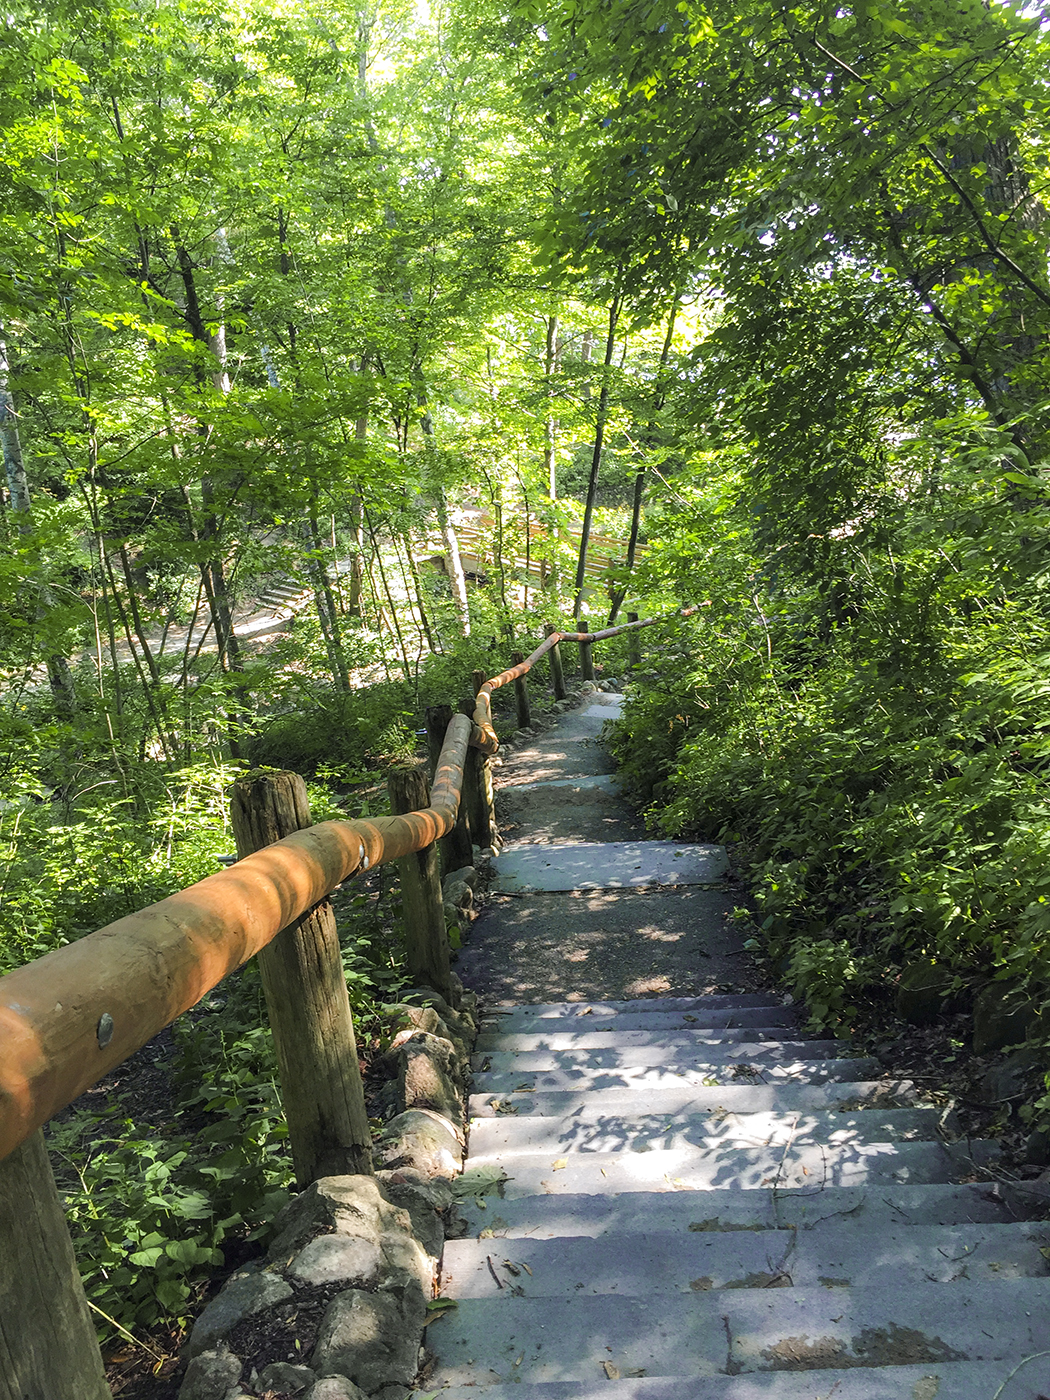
[[560, 1163], [520, 1359], [512, 1268], [527, 1269], [612, 1372]]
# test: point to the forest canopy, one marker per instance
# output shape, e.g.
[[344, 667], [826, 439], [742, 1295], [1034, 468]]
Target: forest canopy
[[344, 348]]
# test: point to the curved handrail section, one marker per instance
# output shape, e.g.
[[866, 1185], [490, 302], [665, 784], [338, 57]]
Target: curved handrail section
[[73, 1015]]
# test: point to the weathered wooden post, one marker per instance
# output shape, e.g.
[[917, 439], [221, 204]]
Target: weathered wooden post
[[439, 717], [48, 1347], [521, 693], [305, 988], [557, 674], [634, 644], [586, 659], [456, 849], [487, 831], [422, 912], [477, 791]]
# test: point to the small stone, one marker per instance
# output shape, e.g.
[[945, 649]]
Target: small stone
[[1010, 1078], [210, 1375], [458, 893], [337, 1259], [372, 1338], [284, 1376], [1002, 1015], [422, 1139], [1037, 1148], [335, 1388], [465, 874], [243, 1295], [427, 1076]]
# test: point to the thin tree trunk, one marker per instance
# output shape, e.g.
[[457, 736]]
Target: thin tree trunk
[[599, 440], [327, 612], [390, 600]]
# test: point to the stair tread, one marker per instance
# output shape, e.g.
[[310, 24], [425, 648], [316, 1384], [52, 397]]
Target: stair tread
[[952, 1380], [836, 1254], [739, 1097], [717, 1169], [487, 1340], [672, 1212], [716, 1127], [675, 1073]]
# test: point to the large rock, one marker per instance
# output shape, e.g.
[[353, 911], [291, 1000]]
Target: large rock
[[372, 1338], [422, 1139], [426, 1199], [429, 1073], [345, 1259], [243, 1294], [1012, 1076], [211, 1375], [1002, 1015], [921, 991], [354, 1206]]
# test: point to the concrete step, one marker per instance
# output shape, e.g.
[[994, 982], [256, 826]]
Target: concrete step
[[697, 1018], [728, 1048], [715, 1002], [657, 1033], [602, 865], [633, 1079], [951, 1380], [886, 1205], [589, 1131], [739, 1097], [832, 1256], [485, 1341], [720, 1168]]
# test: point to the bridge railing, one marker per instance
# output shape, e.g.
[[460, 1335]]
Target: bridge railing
[[70, 1017]]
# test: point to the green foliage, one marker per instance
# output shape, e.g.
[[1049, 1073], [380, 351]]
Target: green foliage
[[73, 864], [878, 756]]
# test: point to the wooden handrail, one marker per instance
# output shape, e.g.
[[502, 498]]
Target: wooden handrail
[[73, 1015]]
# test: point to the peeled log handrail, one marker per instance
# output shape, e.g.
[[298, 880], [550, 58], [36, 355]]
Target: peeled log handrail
[[73, 1015]]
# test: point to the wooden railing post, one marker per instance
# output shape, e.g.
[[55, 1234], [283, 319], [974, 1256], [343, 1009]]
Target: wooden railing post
[[456, 849], [477, 792], [521, 693], [305, 987], [422, 912], [48, 1347], [634, 644], [439, 717], [586, 659], [557, 674]]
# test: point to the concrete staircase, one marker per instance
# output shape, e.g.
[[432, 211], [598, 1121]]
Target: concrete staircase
[[683, 1198]]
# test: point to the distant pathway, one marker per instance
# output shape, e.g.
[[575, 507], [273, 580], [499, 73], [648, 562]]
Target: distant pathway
[[698, 1204]]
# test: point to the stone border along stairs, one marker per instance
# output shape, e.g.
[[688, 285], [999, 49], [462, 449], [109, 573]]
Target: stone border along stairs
[[684, 1199]]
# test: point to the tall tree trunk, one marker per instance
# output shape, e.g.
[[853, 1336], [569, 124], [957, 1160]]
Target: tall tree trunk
[[456, 575], [599, 441], [550, 445], [639, 479], [60, 677]]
